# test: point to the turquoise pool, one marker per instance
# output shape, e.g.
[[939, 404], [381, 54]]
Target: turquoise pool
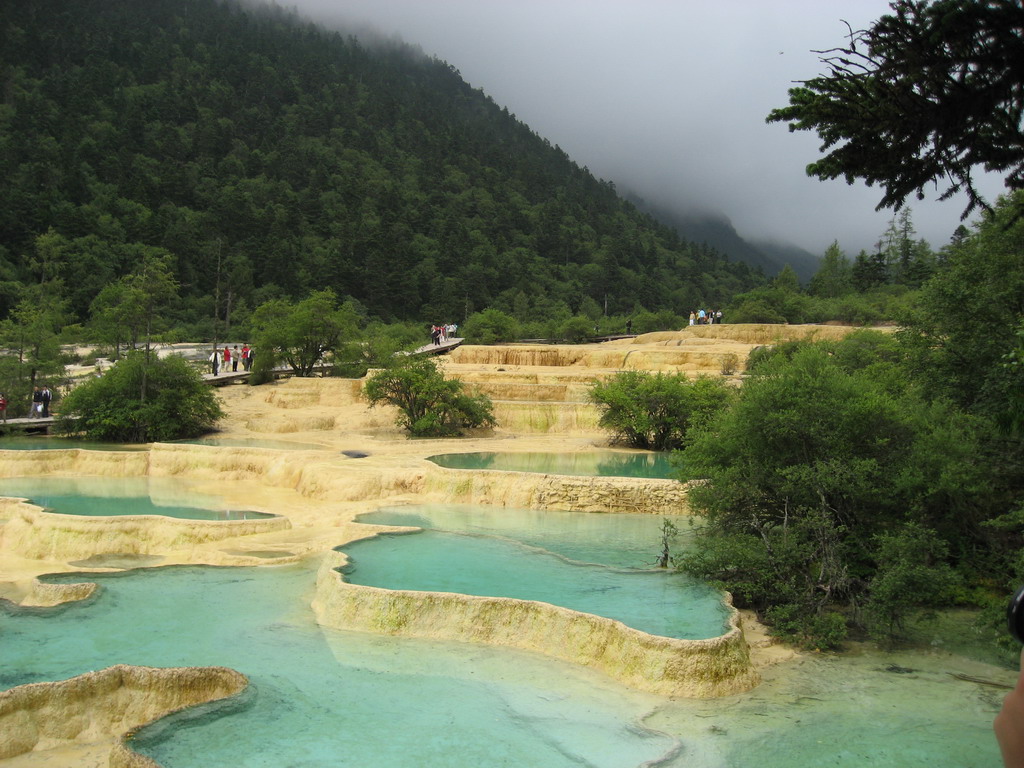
[[565, 560], [47, 443], [111, 497], [253, 442], [593, 463], [322, 697]]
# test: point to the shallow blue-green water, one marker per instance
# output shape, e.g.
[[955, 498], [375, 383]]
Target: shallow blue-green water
[[590, 464], [323, 697], [466, 553], [47, 443], [626, 541], [247, 442], [112, 497]]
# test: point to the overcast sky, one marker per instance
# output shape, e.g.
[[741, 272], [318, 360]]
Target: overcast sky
[[667, 98]]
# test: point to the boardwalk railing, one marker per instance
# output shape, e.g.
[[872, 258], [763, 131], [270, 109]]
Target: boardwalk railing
[[224, 378]]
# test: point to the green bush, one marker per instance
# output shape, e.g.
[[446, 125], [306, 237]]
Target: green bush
[[577, 329], [137, 401], [429, 405], [912, 573], [762, 356], [665, 320], [756, 311], [855, 309], [788, 572], [655, 411], [377, 349], [301, 334], [491, 326], [810, 631], [264, 363], [811, 462]]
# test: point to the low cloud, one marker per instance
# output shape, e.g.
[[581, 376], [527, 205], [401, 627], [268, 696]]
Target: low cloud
[[667, 99]]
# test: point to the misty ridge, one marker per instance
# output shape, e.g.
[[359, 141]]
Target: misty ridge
[[262, 158], [689, 219]]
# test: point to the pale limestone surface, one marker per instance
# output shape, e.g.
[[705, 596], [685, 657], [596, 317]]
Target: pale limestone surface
[[717, 666], [541, 405], [88, 709]]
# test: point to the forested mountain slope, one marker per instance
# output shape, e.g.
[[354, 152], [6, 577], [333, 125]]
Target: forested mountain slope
[[271, 157]]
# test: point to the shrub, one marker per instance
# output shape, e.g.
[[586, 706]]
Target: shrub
[[656, 411], [491, 326], [577, 329], [138, 401], [811, 462], [377, 349], [429, 405], [301, 334], [264, 363], [912, 573], [756, 311], [665, 320], [788, 572], [810, 631]]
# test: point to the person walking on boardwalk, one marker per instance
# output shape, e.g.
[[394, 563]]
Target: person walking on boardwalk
[[3, 406], [215, 361], [47, 397], [234, 359]]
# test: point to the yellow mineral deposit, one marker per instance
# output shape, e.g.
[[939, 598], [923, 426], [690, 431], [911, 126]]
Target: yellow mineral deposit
[[715, 667], [540, 396], [92, 711]]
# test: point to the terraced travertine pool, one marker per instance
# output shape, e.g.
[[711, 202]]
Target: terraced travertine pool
[[326, 697], [117, 497], [564, 558], [584, 463]]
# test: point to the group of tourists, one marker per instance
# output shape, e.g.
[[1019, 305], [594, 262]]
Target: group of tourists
[[39, 408], [705, 317], [41, 397], [228, 359], [441, 333]]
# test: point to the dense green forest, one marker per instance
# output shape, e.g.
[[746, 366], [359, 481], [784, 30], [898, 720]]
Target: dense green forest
[[260, 157], [854, 486], [877, 287]]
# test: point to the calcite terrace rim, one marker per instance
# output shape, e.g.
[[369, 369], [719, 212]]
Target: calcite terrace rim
[[161, 691], [34, 532], [700, 668]]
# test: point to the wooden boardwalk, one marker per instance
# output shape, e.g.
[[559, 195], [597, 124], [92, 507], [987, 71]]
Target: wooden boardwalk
[[26, 424], [437, 349], [224, 378]]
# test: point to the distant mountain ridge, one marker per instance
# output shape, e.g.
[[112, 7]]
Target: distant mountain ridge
[[717, 231], [260, 156]]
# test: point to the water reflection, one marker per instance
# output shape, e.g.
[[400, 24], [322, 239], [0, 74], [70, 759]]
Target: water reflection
[[252, 442], [590, 464], [325, 697], [121, 496], [48, 443]]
